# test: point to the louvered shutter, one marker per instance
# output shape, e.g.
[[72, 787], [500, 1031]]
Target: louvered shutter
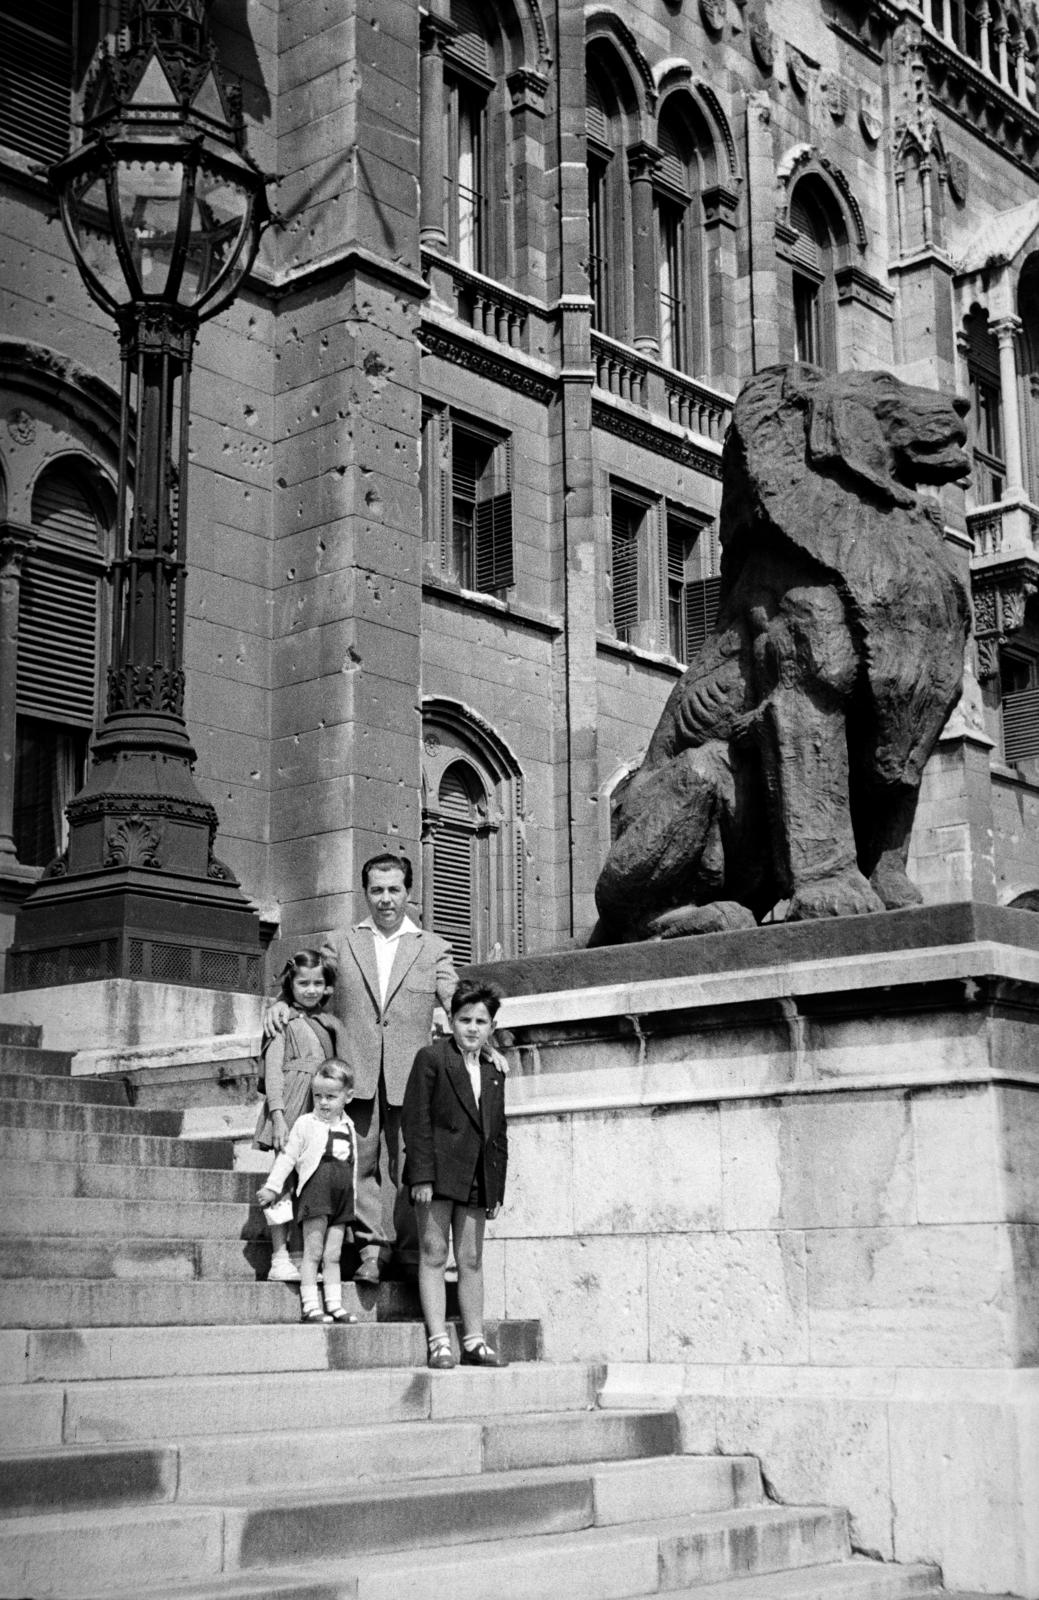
[[36, 77], [60, 507], [805, 248], [1021, 725], [701, 610], [625, 571], [596, 123], [673, 168], [494, 557], [470, 43], [453, 866], [57, 642]]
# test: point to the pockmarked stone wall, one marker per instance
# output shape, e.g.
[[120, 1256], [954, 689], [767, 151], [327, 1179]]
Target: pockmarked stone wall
[[800, 1200]]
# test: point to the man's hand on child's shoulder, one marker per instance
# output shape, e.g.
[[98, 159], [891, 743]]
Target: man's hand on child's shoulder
[[275, 1018]]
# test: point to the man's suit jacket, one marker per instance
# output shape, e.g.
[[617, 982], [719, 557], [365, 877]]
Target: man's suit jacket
[[387, 1038], [444, 1128]]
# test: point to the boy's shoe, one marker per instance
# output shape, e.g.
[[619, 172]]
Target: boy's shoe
[[283, 1270], [315, 1316], [367, 1270], [481, 1355]]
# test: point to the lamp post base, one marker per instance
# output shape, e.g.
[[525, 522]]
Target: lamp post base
[[139, 892]]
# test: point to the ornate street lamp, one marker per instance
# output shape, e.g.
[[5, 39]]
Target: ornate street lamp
[[163, 209]]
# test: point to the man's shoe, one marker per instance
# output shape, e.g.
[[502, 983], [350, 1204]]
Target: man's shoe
[[481, 1355], [368, 1270]]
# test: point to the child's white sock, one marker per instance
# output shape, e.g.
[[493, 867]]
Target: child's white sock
[[310, 1299], [334, 1298], [471, 1340]]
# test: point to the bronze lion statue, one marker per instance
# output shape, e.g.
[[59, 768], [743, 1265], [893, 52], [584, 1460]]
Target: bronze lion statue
[[787, 762]]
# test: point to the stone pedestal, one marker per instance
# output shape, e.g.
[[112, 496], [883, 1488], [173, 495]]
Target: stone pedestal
[[791, 1178]]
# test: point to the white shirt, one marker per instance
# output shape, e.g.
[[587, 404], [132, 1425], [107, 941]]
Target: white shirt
[[472, 1066], [386, 950]]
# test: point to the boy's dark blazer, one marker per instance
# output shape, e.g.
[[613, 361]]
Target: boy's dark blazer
[[442, 1125]]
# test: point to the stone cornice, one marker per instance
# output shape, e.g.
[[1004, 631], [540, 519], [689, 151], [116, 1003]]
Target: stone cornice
[[640, 430], [504, 367]]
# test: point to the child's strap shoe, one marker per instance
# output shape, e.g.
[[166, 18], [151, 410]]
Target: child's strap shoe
[[481, 1355]]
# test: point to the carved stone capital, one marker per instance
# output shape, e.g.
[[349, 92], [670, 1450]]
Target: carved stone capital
[[527, 90], [15, 544], [643, 159], [434, 33], [1006, 329], [1000, 596]]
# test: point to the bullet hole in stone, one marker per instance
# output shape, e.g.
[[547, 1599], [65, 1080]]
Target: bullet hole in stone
[[281, 483], [254, 774], [341, 470], [249, 412], [321, 545], [290, 574]]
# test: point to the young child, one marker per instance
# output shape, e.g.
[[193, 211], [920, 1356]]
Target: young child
[[321, 1148], [290, 1060], [457, 1151]]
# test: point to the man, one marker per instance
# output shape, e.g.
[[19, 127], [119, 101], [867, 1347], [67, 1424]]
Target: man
[[391, 975]]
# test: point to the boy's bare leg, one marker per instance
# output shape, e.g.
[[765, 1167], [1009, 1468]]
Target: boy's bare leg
[[330, 1265], [467, 1228], [434, 1225]]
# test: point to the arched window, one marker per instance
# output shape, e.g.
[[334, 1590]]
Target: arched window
[[59, 641], [820, 235], [472, 836], [609, 201], [472, 140], [982, 355], [1028, 368], [681, 275]]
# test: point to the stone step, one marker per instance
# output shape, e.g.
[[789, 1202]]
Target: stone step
[[38, 1217], [517, 1537], [31, 1357], [15, 1057], [857, 1579], [116, 1180], [40, 1416], [179, 1260], [330, 1459], [40, 1086], [70, 1116], [115, 1303], [145, 1150]]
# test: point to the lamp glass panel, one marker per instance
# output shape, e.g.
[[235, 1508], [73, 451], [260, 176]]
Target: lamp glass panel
[[219, 221], [149, 204], [92, 228]]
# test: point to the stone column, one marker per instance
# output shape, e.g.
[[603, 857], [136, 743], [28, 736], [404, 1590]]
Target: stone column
[[1006, 332], [14, 545], [642, 162], [433, 35], [984, 18]]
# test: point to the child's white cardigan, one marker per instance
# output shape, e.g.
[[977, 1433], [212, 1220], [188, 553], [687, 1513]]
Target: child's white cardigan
[[304, 1148]]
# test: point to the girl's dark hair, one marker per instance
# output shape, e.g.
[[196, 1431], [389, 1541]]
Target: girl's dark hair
[[305, 961], [338, 1071], [471, 992]]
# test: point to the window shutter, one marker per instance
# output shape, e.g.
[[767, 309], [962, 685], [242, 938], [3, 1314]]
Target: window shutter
[[625, 571], [465, 466], [805, 248], [452, 867], [60, 507], [57, 643], [701, 611], [494, 556], [673, 168], [595, 119], [470, 43], [1021, 725], [36, 77]]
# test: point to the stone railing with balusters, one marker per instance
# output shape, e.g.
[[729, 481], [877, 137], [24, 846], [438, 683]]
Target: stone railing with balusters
[[619, 370], [696, 407], [488, 308], [1008, 528], [985, 526]]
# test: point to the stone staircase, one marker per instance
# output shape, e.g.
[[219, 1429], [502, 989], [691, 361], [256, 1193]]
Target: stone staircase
[[169, 1428]]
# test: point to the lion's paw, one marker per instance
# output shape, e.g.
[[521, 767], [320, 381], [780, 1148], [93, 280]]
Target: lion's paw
[[845, 894], [721, 916], [894, 888]]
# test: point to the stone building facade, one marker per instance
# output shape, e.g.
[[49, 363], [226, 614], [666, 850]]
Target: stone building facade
[[456, 447]]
